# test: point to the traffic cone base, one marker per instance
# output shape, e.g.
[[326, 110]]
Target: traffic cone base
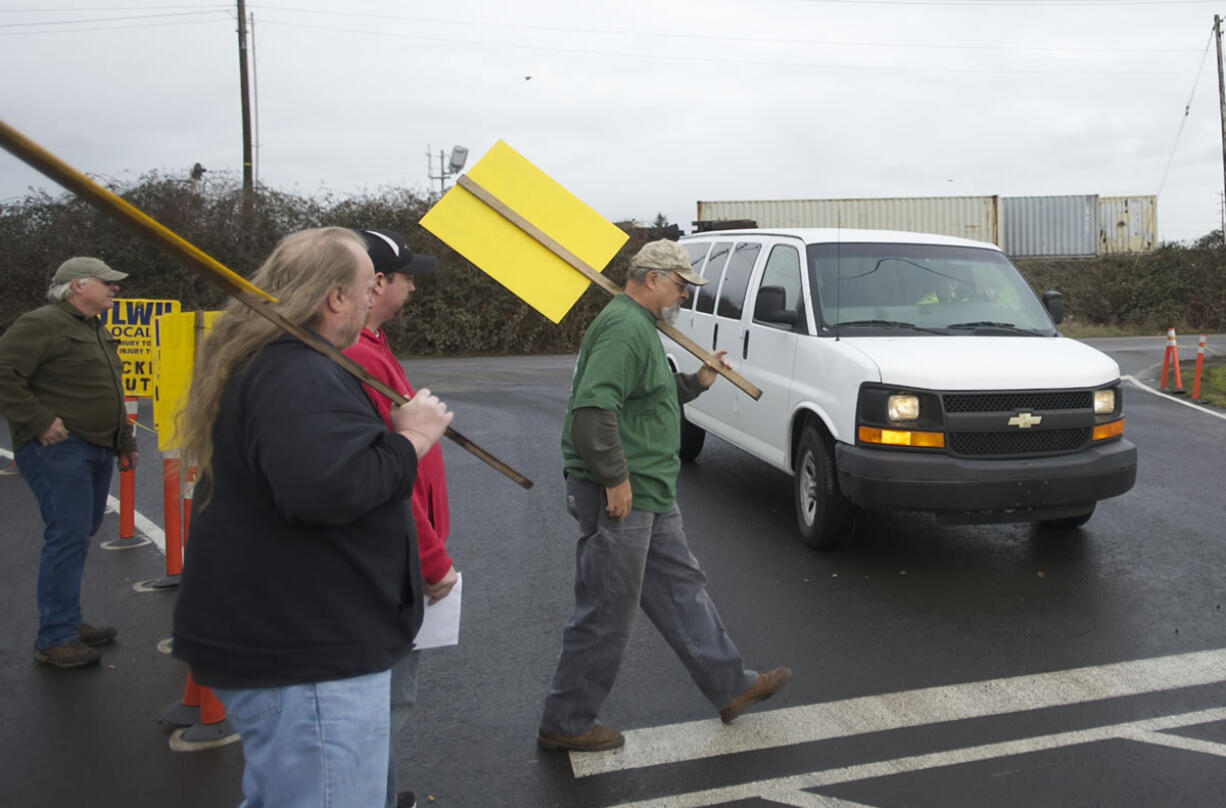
[[179, 714], [200, 737], [125, 544]]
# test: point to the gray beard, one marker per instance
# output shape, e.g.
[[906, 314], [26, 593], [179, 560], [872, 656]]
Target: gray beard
[[670, 314]]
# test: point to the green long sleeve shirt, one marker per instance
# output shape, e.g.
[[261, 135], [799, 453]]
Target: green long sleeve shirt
[[56, 362]]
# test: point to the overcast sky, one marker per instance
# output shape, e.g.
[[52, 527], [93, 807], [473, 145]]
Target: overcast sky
[[640, 107]]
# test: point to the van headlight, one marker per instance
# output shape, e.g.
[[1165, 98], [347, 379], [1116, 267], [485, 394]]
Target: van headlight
[[891, 417], [907, 408], [1104, 401]]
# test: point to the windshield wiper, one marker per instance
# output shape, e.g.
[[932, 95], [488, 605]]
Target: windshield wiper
[[989, 324], [888, 324]]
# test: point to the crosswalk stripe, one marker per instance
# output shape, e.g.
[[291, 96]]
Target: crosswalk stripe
[[695, 740], [792, 790]]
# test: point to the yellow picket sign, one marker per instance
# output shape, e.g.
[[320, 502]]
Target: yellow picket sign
[[174, 358], [509, 255]]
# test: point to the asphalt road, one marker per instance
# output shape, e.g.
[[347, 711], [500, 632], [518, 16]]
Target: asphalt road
[[935, 666]]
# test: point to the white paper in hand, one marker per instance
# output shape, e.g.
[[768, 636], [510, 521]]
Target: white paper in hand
[[441, 625]]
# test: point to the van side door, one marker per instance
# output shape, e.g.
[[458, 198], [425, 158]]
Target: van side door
[[775, 321], [722, 400]]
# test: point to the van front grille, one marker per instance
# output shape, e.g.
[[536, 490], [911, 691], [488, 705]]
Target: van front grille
[[1032, 441], [1022, 400]]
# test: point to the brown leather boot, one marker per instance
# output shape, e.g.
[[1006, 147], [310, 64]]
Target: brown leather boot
[[94, 636], [596, 739], [766, 685], [71, 654]]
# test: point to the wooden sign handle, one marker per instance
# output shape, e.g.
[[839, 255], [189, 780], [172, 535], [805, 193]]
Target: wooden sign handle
[[206, 266], [600, 280]]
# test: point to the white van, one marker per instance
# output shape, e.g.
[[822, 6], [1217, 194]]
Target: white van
[[905, 371]]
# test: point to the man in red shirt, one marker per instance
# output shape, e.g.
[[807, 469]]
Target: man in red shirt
[[396, 267]]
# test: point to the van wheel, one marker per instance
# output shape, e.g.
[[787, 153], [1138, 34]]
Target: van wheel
[[692, 439], [1069, 522], [825, 517]]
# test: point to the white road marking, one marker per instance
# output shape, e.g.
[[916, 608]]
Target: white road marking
[[816, 722], [1176, 399], [791, 790], [143, 523]]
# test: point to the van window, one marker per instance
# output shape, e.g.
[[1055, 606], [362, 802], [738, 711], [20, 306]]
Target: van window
[[704, 299], [783, 273], [736, 280], [923, 288], [698, 256]]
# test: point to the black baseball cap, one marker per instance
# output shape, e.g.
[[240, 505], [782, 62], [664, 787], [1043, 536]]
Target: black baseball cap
[[389, 253]]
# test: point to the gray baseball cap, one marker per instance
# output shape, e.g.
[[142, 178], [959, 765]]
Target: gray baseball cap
[[80, 268], [667, 256]]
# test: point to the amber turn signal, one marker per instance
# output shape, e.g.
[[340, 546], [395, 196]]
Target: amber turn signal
[[901, 437], [1111, 430]]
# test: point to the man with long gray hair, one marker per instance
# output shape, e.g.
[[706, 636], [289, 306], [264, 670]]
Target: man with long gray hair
[[301, 585], [61, 391]]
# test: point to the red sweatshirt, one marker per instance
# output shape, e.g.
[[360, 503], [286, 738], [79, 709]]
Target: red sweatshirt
[[372, 352]]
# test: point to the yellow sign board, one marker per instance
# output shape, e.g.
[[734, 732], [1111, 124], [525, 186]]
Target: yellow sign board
[[509, 255], [130, 321], [173, 362]]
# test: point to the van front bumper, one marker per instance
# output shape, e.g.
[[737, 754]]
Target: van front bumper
[[938, 483]]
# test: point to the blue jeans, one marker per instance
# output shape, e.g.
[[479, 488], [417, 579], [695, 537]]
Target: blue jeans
[[642, 561], [404, 696], [320, 745], [71, 480]]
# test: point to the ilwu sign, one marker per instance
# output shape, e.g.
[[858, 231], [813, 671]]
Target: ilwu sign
[[130, 321]]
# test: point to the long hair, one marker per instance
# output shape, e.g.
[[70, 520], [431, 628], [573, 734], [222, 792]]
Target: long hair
[[302, 270]]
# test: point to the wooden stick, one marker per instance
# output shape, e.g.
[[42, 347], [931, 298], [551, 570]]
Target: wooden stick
[[212, 270], [600, 280]]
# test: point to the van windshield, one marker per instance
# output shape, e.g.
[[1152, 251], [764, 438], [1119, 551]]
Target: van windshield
[[892, 289]]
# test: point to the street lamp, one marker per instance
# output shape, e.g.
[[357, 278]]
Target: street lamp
[[459, 156]]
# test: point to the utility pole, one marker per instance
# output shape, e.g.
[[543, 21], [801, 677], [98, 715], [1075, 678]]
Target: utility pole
[[248, 181], [1221, 94], [255, 85]]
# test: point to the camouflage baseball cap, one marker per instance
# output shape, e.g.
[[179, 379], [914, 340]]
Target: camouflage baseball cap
[[667, 256]]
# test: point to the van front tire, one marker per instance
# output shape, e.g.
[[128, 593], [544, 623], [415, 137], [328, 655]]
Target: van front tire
[[1069, 522], [692, 439], [824, 516]]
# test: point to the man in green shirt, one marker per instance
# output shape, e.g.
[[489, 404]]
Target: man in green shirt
[[620, 443], [61, 391]]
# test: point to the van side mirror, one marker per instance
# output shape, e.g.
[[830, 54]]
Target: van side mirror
[[769, 307], [1054, 303]]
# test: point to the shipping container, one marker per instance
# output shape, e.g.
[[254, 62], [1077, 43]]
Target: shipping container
[[1049, 226], [1072, 226], [1127, 224], [973, 217]]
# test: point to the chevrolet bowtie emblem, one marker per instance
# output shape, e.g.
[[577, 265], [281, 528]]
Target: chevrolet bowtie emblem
[[1024, 420]]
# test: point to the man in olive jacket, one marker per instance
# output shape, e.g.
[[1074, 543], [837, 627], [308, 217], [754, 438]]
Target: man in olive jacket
[[61, 391]]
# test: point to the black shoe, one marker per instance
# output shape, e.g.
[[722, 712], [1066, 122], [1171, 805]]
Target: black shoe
[[102, 635], [406, 799]]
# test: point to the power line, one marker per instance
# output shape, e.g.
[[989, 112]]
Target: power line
[[716, 60], [106, 19], [711, 37], [67, 10], [1187, 109], [99, 28], [1020, 2]]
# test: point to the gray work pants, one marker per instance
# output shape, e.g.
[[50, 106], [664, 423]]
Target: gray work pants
[[619, 566]]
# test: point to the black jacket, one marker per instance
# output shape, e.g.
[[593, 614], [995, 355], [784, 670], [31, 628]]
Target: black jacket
[[301, 564]]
